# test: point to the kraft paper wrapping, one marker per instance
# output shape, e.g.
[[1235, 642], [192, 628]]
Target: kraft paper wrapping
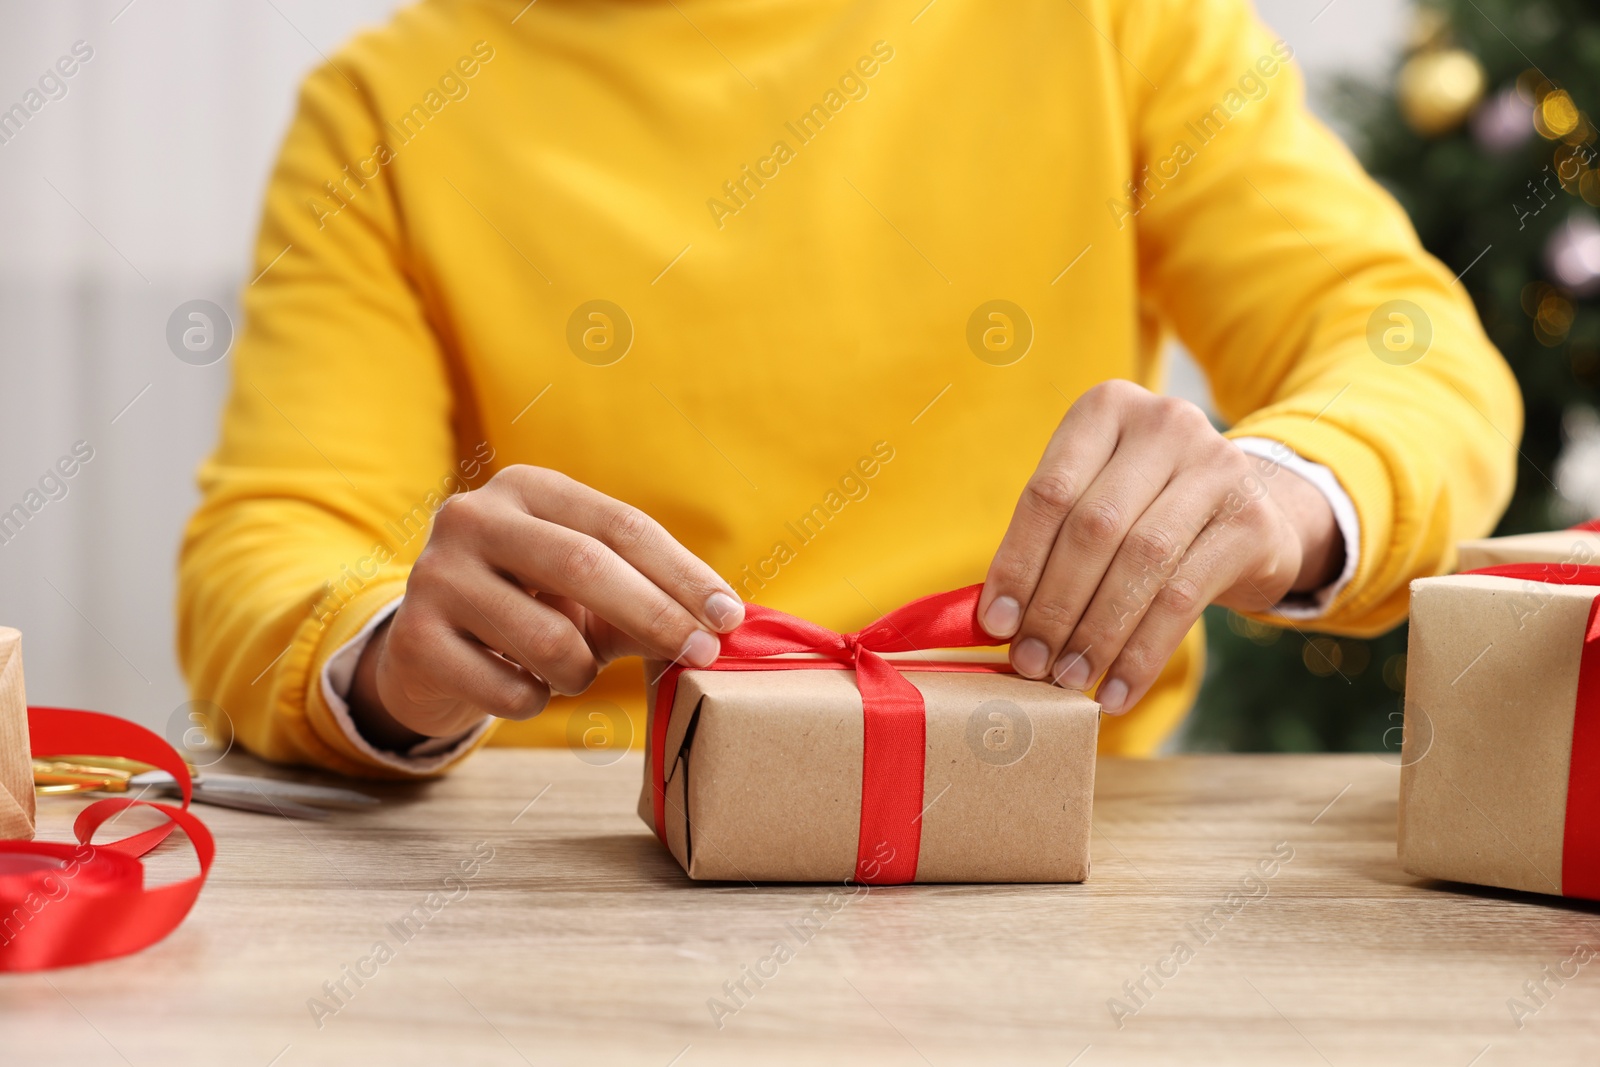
[[764, 777], [1491, 683], [16, 768], [1555, 546]]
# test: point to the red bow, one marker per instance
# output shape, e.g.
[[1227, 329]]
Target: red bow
[[894, 717]]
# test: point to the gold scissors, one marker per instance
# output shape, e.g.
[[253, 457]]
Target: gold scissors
[[114, 774]]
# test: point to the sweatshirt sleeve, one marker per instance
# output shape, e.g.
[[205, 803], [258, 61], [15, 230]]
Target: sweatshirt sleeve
[[1303, 292], [337, 444]]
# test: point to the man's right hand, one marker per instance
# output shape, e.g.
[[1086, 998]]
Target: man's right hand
[[528, 586]]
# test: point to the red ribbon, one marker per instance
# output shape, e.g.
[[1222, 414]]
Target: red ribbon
[[62, 904], [1580, 846], [894, 744]]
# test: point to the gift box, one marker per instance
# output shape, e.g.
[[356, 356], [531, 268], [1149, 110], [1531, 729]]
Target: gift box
[[1500, 779], [1579, 545], [16, 766], [808, 756]]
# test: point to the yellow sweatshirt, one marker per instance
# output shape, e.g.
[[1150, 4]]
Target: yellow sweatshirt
[[736, 263]]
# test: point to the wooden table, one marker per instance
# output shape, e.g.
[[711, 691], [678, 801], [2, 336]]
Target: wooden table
[[581, 942]]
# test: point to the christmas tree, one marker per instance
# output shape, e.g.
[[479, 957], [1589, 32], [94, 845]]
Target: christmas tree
[[1484, 134]]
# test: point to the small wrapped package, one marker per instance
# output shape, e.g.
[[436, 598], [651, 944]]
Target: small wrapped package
[[1500, 779], [807, 756], [1579, 545], [16, 766]]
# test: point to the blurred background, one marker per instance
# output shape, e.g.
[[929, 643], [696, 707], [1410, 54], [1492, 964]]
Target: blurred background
[[134, 188]]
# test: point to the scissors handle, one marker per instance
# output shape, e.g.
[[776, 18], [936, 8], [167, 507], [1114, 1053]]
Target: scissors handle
[[63, 776], [120, 764]]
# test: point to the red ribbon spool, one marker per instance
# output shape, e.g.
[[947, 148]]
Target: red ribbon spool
[[64, 904]]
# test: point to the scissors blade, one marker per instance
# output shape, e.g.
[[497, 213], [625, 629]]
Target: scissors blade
[[250, 786], [276, 787], [251, 801]]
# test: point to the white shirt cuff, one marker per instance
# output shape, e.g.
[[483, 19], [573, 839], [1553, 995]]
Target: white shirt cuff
[[1313, 605], [339, 674]]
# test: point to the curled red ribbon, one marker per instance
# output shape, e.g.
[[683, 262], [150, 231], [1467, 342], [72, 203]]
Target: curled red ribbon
[[1580, 845], [894, 743], [62, 904]]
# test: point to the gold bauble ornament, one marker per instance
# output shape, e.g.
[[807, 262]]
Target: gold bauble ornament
[[1437, 90]]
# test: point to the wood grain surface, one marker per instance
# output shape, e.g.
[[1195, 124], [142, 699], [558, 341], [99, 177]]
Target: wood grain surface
[[580, 941]]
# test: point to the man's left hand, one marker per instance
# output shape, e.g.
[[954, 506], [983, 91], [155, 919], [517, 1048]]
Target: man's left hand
[[1138, 516]]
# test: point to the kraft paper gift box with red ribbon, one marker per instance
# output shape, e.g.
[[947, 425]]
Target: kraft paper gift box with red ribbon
[[1500, 779], [16, 770], [1579, 545], [804, 755]]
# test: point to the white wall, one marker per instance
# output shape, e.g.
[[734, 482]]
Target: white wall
[[136, 191], [162, 143]]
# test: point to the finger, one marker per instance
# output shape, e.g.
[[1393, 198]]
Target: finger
[[1149, 566], [512, 622], [1216, 560], [1080, 447], [577, 566], [606, 643], [637, 538], [454, 680], [1089, 541], [546, 557]]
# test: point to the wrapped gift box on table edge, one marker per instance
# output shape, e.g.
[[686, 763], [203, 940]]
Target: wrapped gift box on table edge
[[16, 765], [763, 775], [1500, 783], [1577, 545]]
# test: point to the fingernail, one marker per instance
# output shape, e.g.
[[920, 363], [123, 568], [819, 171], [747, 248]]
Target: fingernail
[[724, 611], [1112, 695], [1029, 656], [1003, 617], [700, 650], [1073, 671]]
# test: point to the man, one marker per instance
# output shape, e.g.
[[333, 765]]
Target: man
[[668, 306]]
